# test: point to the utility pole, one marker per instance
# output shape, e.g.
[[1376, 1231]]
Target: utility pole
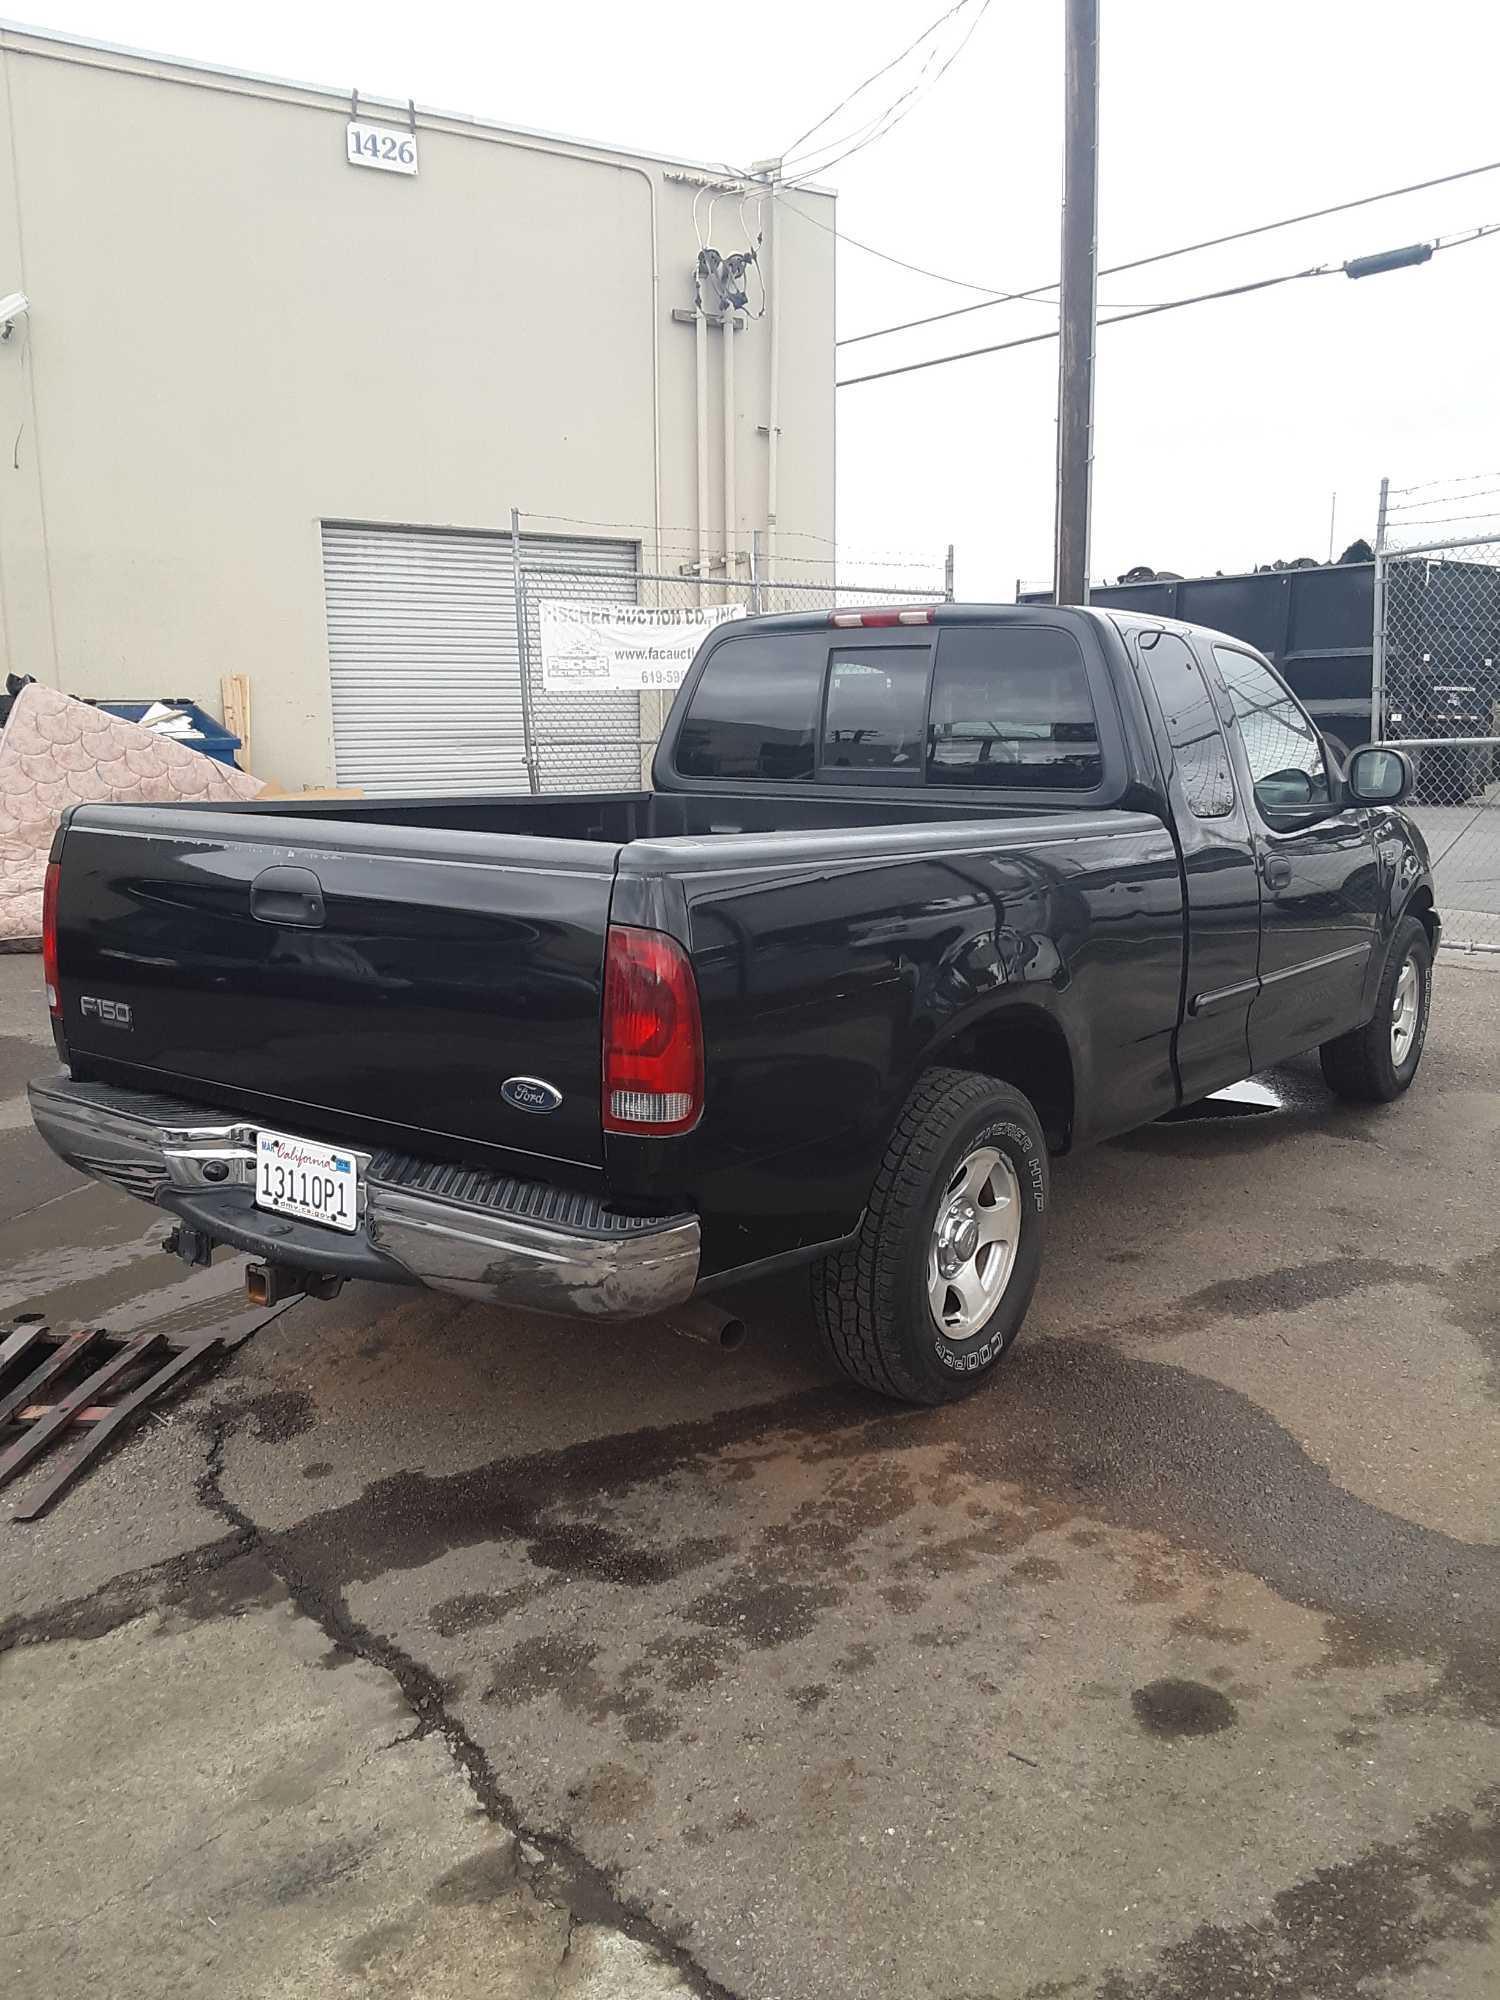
[[1080, 263]]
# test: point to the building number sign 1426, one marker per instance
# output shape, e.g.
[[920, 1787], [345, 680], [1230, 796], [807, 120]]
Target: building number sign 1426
[[390, 149]]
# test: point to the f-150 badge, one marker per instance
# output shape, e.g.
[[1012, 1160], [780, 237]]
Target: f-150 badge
[[113, 1013]]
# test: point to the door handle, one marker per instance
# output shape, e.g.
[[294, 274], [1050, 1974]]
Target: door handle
[[284, 895], [1276, 871]]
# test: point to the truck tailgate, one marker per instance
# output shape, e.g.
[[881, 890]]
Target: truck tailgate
[[326, 973]]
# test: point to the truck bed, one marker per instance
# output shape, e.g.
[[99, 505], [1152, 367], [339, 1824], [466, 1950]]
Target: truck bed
[[619, 818], [371, 971]]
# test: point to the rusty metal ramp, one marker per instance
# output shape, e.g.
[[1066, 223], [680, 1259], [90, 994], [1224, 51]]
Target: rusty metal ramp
[[78, 1391]]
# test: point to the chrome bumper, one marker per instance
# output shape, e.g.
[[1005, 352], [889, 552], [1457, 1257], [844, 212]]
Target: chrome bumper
[[498, 1239]]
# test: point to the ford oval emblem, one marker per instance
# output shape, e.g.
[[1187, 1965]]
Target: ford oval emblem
[[530, 1093]]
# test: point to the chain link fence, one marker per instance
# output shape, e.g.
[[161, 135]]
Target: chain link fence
[[601, 738], [1437, 685]]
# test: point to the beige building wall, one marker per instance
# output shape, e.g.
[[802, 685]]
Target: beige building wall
[[235, 335]]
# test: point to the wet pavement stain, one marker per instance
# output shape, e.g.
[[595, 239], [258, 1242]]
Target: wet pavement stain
[[555, 1665], [612, 1794], [1300, 1286], [763, 1613], [1346, 1929], [1197, 1625], [1471, 1293], [276, 1415], [1033, 1569], [589, 1549], [1294, 1288], [904, 1598], [219, 1580], [1182, 1708], [684, 1662], [1226, 1485], [550, 1665], [485, 1878], [471, 1609]]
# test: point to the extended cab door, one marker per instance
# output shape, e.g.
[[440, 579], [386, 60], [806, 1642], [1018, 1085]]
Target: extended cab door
[[1318, 871], [1220, 873]]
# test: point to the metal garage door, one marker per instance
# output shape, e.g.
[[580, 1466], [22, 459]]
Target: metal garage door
[[424, 661]]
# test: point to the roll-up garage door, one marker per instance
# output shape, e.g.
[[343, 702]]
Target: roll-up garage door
[[424, 660]]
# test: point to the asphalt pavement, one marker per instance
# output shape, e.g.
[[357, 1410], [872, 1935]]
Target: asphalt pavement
[[432, 1649]]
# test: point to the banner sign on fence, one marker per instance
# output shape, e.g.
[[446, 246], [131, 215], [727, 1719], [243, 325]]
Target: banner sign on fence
[[586, 647]]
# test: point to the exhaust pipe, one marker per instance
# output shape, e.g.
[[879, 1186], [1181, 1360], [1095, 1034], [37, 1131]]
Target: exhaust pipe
[[271, 1284], [703, 1321]]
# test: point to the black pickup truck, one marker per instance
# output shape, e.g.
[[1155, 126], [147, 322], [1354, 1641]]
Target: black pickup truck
[[916, 899]]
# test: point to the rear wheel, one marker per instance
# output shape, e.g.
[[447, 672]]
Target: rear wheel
[[927, 1300], [1375, 1063]]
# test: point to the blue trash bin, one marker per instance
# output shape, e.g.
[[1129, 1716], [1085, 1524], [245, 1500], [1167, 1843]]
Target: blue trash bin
[[212, 738]]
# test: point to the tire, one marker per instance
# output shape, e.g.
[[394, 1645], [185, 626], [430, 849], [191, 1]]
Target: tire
[[873, 1301], [1363, 1065]]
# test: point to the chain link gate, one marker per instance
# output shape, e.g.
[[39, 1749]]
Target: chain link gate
[[1436, 690], [604, 739]]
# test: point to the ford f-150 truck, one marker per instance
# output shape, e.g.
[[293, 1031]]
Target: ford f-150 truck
[[916, 899]]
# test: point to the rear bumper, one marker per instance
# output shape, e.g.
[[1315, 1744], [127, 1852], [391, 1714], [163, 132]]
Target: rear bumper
[[477, 1234]]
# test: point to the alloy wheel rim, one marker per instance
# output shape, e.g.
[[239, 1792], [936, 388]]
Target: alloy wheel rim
[[975, 1237], [1405, 1007]]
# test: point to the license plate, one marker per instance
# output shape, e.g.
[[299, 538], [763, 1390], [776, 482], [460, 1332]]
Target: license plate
[[313, 1183]]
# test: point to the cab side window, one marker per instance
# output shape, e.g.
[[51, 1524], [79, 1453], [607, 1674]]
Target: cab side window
[[1198, 746], [1284, 751], [1011, 707]]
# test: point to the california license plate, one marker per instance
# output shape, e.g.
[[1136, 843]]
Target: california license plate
[[313, 1183]]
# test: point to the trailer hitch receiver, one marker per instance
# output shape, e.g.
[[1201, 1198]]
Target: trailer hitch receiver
[[271, 1284]]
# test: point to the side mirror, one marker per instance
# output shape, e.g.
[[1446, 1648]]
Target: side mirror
[[1284, 791], [1379, 777]]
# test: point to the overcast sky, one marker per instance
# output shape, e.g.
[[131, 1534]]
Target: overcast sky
[[1222, 431]]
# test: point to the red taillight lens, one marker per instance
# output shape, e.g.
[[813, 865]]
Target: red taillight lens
[[49, 939], [653, 1035]]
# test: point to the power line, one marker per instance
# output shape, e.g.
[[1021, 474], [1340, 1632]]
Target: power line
[[1050, 333], [1145, 312], [902, 108], [874, 77], [886, 257], [831, 151], [927, 33], [922, 271], [1037, 292]]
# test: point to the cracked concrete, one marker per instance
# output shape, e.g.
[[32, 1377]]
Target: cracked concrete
[[1164, 1670], [304, 1848], [271, 1810], [315, 1838]]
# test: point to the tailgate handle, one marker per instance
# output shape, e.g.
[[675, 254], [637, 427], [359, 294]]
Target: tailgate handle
[[287, 896]]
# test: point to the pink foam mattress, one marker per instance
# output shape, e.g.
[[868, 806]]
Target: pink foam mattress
[[56, 752]]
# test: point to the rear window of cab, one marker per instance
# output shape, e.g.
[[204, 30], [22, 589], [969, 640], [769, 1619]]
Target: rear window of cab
[[1000, 707]]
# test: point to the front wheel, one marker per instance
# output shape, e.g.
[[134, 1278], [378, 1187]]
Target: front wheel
[[928, 1299], [1375, 1063]]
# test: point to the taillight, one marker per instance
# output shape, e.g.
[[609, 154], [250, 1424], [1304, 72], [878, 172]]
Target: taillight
[[908, 614], [49, 939], [653, 1035]]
